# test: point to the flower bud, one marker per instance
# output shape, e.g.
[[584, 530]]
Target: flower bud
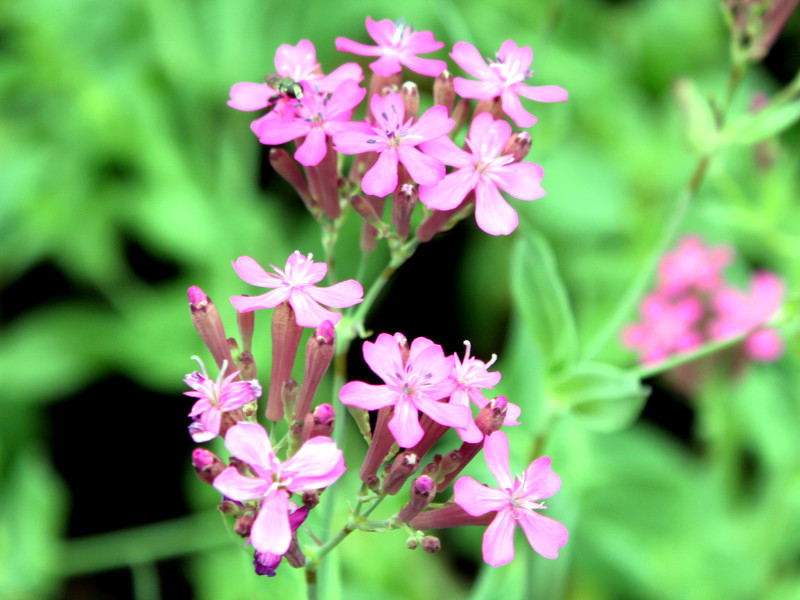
[[403, 202], [381, 443], [319, 352], [411, 542], [444, 90], [460, 115], [491, 416], [229, 507], [422, 492], [493, 107], [410, 95], [207, 465], [287, 168], [246, 323], [208, 324], [289, 392], [319, 422], [380, 85], [247, 365], [285, 341], [518, 145], [243, 524], [366, 211], [310, 500], [403, 467], [431, 544]]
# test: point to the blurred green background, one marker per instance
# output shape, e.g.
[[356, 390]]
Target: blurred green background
[[124, 179]]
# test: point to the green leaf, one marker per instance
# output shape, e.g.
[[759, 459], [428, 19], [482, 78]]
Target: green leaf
[[700, 124], [754, 128], [541, 300], [605, 398]]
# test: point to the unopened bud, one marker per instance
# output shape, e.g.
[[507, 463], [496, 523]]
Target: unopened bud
[[431, 544], [366, 211], [319, 353], [229, 507], [494, 107], [294, 555], [460, 115], [403, 467], [518, 145], [491, 416], [289, 392], [422, 492], [373, 483], [310, 499], [287, 168], [246, 323], [450, 462], [286, 335], [410, 94], [243, 524], [208, 324], [411, 542], [444, 90], [247, 366], [320, 422], [403, 203], [380, 85], [207, 465]]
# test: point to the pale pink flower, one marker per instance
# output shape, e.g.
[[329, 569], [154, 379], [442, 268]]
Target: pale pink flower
[[266, 563], [692, 265], [668, 327], [398, 44], [396, 142], [416, 385], [316, 465], [487, 171], [316, 116], [515, 502], [295, 284], [215, 398], [503, 77], [738, 312]]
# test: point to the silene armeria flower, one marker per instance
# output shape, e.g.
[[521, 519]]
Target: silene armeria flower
[[396, 142], [295, 284], [215, 398], [316, 465], [516, 502], [398, 44], [414, 385], [316, 116], [485, 170], [503, 77], [692, 266], [667, 327]]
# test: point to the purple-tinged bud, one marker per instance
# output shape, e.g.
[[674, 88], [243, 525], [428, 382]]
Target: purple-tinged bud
[[373, 483], [491, 416], [241, 466], [370, 233], [246, 322], [451, 515], [290, 390], [422, 492], [294, 555], [247, 365], [432, 468], [323, 180], [310, 500], [366, 211], [460, 115], [382, 441], [243, 524], [409, 92], [378, 84], [286, 335], [320, 422], [403, 203], [440, 221], [494, 107], [450, 462], [229, 507], [404, 466], [431, 544], [444, 90], [266, 563], [319, 353], [518, 145], [207, 465], [411, 542], [295, 438], [287, 168], [208, 324]]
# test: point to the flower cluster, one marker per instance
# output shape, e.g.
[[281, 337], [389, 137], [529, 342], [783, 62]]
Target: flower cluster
[[396, 146], [693, 304]]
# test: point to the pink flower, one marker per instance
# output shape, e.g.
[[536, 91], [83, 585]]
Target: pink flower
[[295, 284], [667, 328], [692, 265], [410, 386], [398, 44], [484, 170], [470, 376], [215, 398], [503, 77], [316, 465], [267, 563], [315, 116], [515, 502], [396, 141], [738, 312]]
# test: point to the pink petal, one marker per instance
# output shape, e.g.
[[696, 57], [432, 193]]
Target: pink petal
[[346, 45], [509, 51], [488, 136], [445, 149], [477, 499], [545, 535], [340, 295], [269, 300], [382, 31], [381, 179], [521, 180], [366, 396], [424, 66], [233, 485], [498, 540], [433, 123], [383, 357], [404, 424], [495, 450], [296, 62], [346, 72], [250, 96], [352, 141], [468, 58], [765, 345], [479, 90], [316, 465], [492, 213], [470, 434], [513, 108], [450, 191], [386, 65], [423, 169], [280, 132], [271, 531], [542, 93], [443, 413], [211, 419], [539, 481], [308, 313], [249, 442], [313, 149], [251, 272], [347, 96]]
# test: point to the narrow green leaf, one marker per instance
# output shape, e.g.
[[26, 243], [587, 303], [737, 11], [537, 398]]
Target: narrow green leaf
[[754, 128], [700, 124]]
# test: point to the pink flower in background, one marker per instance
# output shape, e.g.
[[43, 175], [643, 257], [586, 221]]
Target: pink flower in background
[[738, 312], [316, 116], [215, 398], [295, 284], [398, 44], [470, 377], [667, 328], [515, 502], [316, 465], [692, 265], [503, 77], [416, 385], [396, 142], [486, 171]]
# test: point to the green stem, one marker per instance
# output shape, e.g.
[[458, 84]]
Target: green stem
[[645, 371]]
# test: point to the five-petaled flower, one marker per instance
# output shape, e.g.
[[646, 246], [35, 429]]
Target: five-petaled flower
[[295, 284], [503, 77], [398, 44], [692, 266], [416, 384], [215, 398], [487, 171], [316, 465], [396, 141], [515, 502], [667, 327]]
